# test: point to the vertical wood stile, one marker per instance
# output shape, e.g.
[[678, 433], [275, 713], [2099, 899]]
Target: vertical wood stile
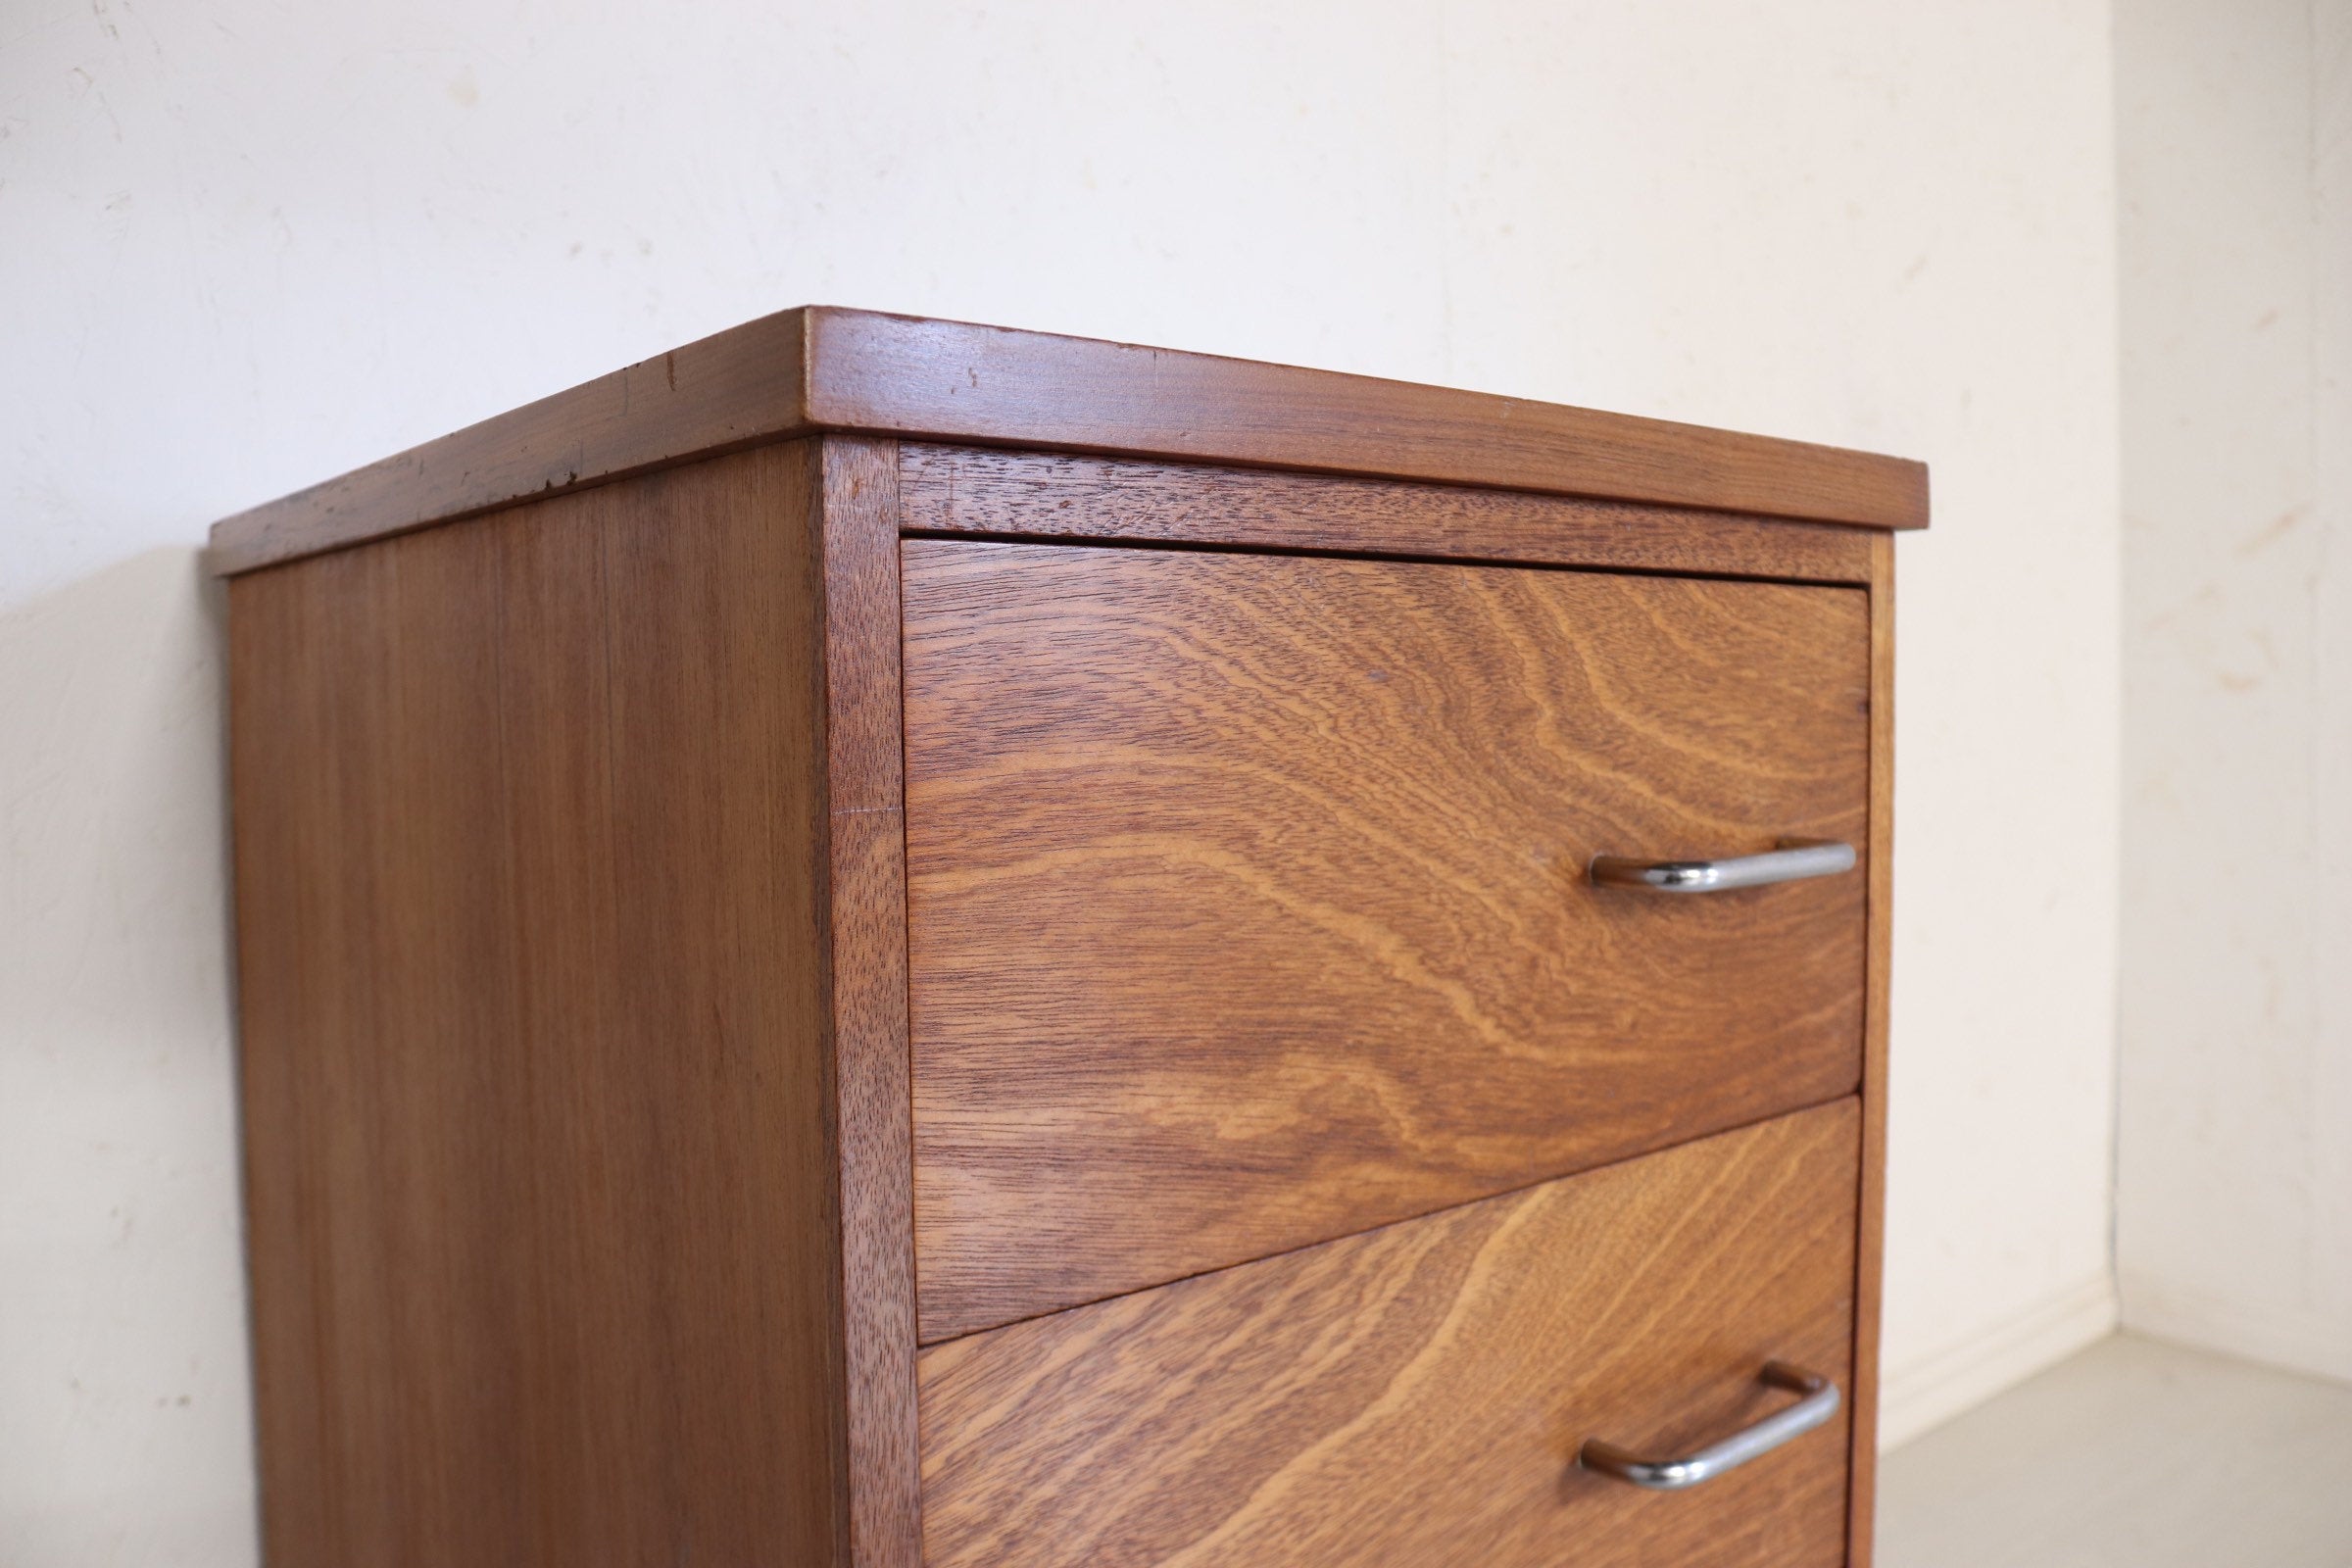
[[1870, 1243], [871, 1092]]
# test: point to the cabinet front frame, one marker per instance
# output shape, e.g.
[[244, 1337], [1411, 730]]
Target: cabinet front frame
[[1024, 495]]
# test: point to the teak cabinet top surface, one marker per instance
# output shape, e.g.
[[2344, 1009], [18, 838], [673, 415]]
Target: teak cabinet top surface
[[821, 369]]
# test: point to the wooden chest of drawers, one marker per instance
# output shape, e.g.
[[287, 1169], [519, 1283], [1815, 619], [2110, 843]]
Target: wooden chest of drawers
[[878, 942]]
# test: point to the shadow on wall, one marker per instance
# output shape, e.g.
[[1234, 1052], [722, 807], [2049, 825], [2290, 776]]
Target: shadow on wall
[[123, 1415]]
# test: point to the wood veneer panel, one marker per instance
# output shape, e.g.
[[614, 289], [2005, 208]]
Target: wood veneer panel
[[531, 862], [1870, 1253], [1417, 1394], [1060, 496], [823, 368], [1246, 899]]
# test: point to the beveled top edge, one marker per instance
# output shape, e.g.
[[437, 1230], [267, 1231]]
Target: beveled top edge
[[825, 369]]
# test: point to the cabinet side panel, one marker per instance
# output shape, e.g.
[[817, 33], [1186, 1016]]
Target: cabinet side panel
[[531, 845]]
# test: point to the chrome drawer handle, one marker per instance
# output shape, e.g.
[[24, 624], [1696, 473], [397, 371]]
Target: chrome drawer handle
[[1794, 861], [1820, 1402]]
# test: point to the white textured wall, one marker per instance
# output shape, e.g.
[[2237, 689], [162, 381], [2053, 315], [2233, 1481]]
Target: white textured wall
[[2234, 1191], [247, 245]]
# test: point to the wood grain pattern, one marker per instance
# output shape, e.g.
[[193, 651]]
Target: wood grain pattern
[[1246, 902], [821, 368], [1417, 1394], [597, 1117], [1871, 1202], [1038, 495], [952, 380], [531, 864], [869, 904]]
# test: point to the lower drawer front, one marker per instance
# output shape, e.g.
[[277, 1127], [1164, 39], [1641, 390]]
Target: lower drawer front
[[1418, 1394]]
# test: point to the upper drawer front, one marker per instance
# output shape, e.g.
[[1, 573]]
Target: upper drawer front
[[1419, 1394], [1248, 899]]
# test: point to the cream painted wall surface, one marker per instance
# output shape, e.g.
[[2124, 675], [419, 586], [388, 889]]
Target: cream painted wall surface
[[2234, 1185], [249, 245]]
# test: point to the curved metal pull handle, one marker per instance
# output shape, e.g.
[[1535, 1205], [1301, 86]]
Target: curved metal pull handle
[[1820, 1402], [1793, 860]]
